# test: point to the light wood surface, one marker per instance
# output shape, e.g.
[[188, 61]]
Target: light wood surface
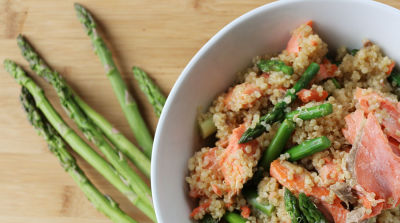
[[159, 36]]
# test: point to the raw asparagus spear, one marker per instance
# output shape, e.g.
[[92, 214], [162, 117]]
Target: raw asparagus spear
[[278, 112], [57, 146], [90, 130], [117, 138], [150, 89], [310, 211], [292, 207], [76, 143], [128, 104]]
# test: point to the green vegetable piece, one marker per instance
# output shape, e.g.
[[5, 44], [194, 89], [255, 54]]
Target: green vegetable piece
[[278, 143], [278, 112], [208, 219], [233, 217], [310, 211], [274, 65], [394, 78], [353, 52], [309, 147], [251, 197], [207, 127], [314, 112], [150, 89], [125, 99], [292, 207]]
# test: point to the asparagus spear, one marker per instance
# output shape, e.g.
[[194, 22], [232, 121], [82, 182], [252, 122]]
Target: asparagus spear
[[117, 138], [292, 207], [277, 144], [233, 217], [128, 104], [308, 147], [311, 112], [251, 197], [76, 143], [57, 146], [274, 65], [278, 111], [310, 211], [85, 125], [150, 89]]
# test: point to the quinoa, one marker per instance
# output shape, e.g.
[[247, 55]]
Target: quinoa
[[254, 94]]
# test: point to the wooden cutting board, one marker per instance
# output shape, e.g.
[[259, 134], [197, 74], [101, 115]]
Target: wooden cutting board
[[159, 36]]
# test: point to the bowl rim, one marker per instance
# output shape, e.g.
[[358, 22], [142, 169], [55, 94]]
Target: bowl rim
[[184, 75]]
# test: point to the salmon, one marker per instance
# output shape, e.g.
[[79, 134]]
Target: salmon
[[377, 167], [281, 170], [326, 70], [200, 208], [307, 95], [245, 211], [391, 110], [377, 160], [293, 45], [247, 92], [231, 160], [391, 67], [330, 172]]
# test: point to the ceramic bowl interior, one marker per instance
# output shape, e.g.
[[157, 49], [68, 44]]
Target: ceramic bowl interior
[[213, 69]]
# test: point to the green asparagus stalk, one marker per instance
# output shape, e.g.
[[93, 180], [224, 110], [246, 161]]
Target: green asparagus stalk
[[278, 112], [310, 211], [116, 138], [314, 112], [274, 65], [90, 130], [308, 147], [128, 104], [292, 207], [150, 89], [251, 197], [277, 144], [233, 217], [57, 146], [76, 143]]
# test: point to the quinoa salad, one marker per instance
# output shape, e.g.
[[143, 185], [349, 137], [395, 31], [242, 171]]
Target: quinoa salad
[[305, 135]]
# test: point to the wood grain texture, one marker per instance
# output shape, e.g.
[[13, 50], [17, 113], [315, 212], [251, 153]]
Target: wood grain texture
[[159, 36]]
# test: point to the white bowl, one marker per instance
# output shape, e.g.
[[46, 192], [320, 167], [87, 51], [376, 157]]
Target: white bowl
[[213, 69]]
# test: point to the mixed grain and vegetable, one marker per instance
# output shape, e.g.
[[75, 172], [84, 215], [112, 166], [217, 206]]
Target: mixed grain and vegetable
[[305, 135]]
